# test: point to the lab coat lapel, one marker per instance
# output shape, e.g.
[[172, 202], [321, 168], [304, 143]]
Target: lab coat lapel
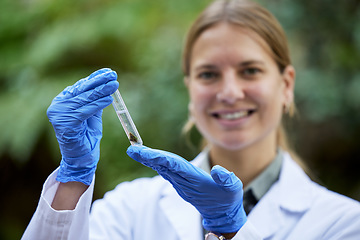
[[290, 194], [266, 216], [297, 192], [184, 218]]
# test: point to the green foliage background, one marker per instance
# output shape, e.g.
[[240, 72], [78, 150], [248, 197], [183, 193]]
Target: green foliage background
[[47, 45]]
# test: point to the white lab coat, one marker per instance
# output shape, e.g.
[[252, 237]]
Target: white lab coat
[[150, 209]]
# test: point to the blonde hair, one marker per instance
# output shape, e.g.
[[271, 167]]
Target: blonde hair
[[246, 14], [252, 16]]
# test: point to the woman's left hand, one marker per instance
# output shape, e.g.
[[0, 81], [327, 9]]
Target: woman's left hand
[[218, 198]]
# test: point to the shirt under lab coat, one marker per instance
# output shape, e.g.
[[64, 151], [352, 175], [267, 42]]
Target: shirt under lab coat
[[150, 209]]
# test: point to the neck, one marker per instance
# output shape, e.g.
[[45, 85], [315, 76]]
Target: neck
[[246, 163]]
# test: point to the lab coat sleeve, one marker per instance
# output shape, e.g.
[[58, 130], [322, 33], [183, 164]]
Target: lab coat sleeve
[[247, 232], [48, 223]]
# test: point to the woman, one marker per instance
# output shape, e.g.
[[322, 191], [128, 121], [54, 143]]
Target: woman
[[240, 80]]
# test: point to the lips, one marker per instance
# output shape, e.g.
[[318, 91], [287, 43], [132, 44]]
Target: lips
[[233, 115]]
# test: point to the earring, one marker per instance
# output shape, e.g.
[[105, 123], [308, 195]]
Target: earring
[[286, 108]]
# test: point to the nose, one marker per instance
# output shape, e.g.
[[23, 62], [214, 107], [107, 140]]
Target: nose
[[231, 90]]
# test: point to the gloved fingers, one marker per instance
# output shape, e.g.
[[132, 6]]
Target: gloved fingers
[[73, 112], [155, 158], [167, 174], [96, 79], [92, 108], [186, 189], [134, 151], [105, 77], [98, 72], [85, 105], [179, 172], [175, 179], [69, 104], [149, 157], [99, 92], [141, 155], [227, 180], [91, 76]]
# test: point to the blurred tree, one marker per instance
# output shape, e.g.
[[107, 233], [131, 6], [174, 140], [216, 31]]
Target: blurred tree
[[48, 45]]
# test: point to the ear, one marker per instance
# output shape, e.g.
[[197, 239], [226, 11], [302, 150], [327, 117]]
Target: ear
[[289, 84]]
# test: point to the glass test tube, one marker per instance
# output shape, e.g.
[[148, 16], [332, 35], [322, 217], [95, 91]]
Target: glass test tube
[[125, 119]]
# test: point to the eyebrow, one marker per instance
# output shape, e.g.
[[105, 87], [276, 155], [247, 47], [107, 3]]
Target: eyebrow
[[251, 62], [206, 66], [242, 64]]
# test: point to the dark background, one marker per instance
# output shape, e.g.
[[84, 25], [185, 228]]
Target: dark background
[[48, 45]]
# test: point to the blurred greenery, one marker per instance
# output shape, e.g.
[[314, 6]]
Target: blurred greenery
[[47, 45]]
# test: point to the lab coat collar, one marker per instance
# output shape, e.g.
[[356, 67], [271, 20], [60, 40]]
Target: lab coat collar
[[297, 193], [291, 193]]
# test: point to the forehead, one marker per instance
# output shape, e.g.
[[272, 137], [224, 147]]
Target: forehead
[[225, 40]]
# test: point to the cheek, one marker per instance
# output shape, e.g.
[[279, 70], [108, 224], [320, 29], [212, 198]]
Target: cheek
[[200, 98], [268, 95], [271, 97], [273, 87]]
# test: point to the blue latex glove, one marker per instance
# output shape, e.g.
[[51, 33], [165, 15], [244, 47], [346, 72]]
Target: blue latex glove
[[76, 117], [218, 197]]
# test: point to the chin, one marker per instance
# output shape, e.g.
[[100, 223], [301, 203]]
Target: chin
[[234, 147], [232, 144]]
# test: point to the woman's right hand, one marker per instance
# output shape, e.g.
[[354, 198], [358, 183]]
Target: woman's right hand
[[76, 117]]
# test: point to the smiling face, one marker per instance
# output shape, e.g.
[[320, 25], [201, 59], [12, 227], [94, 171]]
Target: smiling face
[[237, 92]]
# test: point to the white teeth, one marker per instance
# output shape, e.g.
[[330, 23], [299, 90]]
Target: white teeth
[[235, 115]]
